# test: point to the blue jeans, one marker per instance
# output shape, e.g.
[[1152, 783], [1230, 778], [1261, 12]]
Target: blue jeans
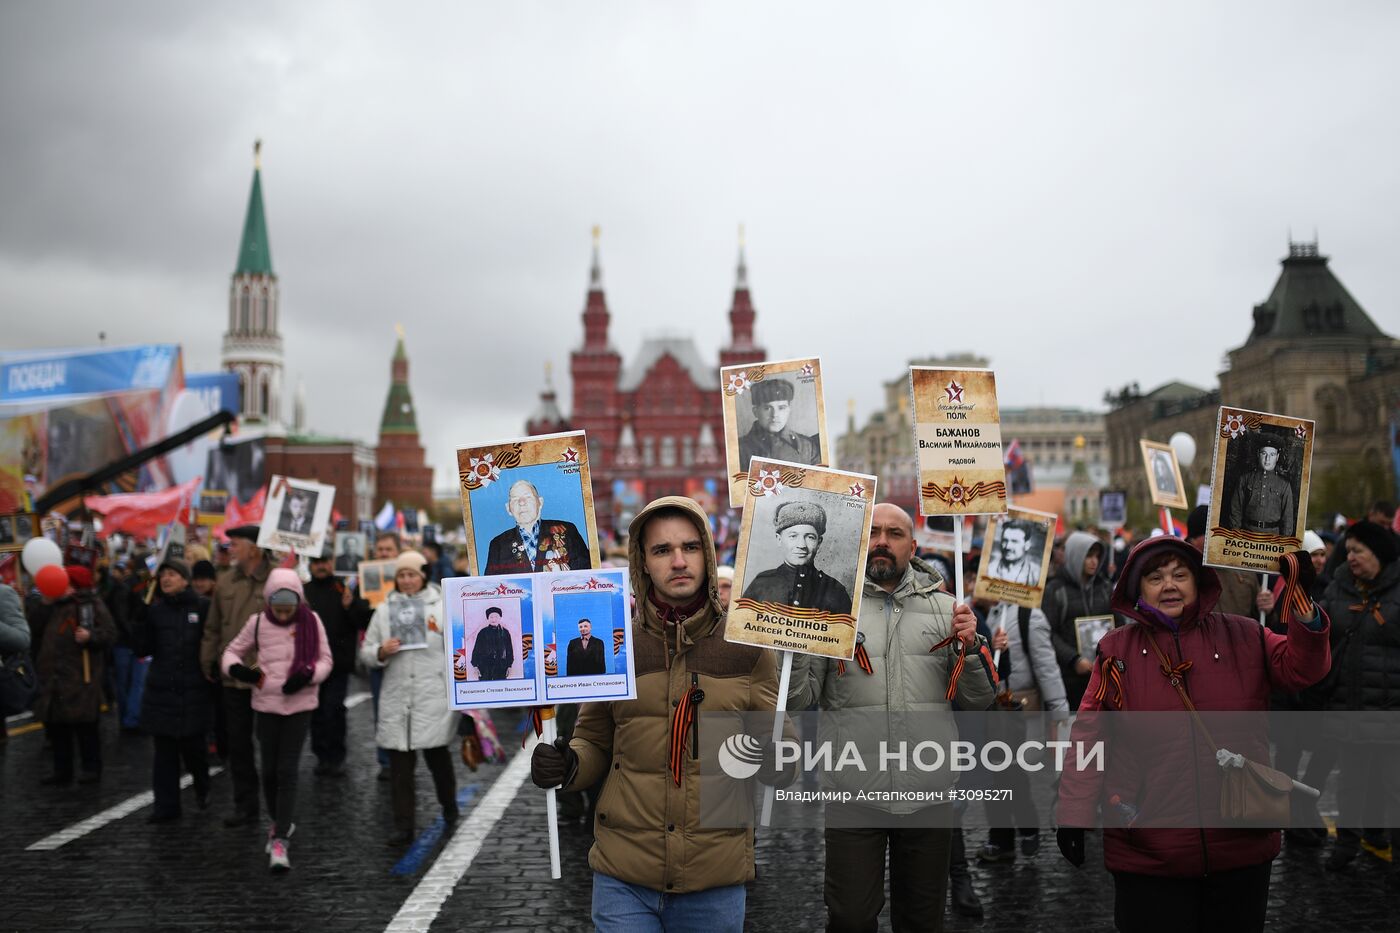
[[130, 673], [619, 907]]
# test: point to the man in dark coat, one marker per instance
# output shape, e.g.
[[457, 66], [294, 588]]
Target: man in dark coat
[[797, 582], [176, 704], [770, 437], [344, 616], [535, 545], [493, 654], [77, 631], [585, 655]]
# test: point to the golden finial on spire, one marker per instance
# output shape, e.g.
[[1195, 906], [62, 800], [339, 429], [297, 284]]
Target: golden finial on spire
[[597, 235], [257, 154], [741, 236], [851, 406], [398, 329], [548, 372]]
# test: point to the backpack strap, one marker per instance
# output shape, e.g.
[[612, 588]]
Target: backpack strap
[[1023, 623]]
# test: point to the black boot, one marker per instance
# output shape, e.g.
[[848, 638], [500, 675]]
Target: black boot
[[965, 900]]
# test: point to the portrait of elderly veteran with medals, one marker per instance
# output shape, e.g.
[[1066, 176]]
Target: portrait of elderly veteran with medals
[[1263, 500], [535, 545], [797, 581], [770, 436]]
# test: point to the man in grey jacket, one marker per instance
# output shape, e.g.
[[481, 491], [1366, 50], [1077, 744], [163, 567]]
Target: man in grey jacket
[[904, 613]]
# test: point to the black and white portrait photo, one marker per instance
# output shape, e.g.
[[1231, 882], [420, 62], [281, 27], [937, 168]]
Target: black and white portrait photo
[[1016, 553], [1164, 484], [780, 423], [297, 517], [803, 551], [298, 510], [349, 551], [772, 410], [1262, 482], [407, 622]]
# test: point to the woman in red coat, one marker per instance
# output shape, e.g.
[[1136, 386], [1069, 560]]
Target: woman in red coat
[[1182, 872]]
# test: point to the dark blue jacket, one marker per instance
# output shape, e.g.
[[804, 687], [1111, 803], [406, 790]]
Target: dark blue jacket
[[177, 697]]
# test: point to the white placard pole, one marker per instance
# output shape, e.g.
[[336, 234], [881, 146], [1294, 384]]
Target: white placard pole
[[1263, 588], [784, 679], [549, 733]]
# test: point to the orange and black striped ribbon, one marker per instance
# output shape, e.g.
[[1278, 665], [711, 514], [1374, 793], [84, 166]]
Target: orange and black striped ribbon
[[681, 724], [957, 666], [1174, 674], [1109, 674], [862, 660], [1297, 603], [1375, 608], [537, 722]]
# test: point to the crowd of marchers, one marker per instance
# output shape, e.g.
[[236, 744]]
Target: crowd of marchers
[[228, 653]]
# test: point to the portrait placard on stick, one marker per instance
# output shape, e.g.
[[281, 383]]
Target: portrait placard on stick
[[298, 511], [1113, 508], [957, 434], [506, 634], [801, 558], [1261, 470], [773, 410], [1087, 632], [1016, 561], [376, 580], [213, 503], [528, 505], [1163, 475], [16, 528]]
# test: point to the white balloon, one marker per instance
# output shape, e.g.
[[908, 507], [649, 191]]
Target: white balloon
[[39, 553], [1185, 447]]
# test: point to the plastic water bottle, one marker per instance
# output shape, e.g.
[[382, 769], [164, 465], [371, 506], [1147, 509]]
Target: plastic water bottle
[[1126, 812]]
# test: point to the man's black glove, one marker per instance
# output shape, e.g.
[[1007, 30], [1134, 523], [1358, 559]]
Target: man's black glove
[[1299, 577], [553, 765], [247, 675], [769, 772], [296, 682], [1071, 843]]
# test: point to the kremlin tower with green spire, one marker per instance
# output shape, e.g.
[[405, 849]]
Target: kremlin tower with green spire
[[405, 479], [252, 345]]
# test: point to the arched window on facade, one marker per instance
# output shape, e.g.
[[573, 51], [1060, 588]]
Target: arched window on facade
[[244, 314], [263, 393]]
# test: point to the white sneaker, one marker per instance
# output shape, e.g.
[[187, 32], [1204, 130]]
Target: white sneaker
[[277, 856], [272, 834]]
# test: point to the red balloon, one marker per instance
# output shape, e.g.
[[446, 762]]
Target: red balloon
[[52, 581]]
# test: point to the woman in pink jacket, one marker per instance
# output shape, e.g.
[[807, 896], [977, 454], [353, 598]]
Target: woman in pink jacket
[[286, 645]]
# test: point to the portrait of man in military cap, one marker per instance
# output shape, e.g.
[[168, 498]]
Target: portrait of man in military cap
[[770, 436], [1263, 499], [799, 528]]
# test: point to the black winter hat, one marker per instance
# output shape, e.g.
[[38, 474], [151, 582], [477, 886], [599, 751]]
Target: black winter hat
[[1380, 540], [203, 570], [1196, 522]]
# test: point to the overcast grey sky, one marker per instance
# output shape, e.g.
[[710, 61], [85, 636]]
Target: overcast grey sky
[[1088, 193]]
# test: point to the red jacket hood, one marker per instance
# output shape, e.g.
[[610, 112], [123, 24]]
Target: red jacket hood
[[1125, 593]]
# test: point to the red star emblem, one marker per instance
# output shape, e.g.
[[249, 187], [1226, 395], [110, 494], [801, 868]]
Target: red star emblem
[[807, 369], [953, 391], [570, 455], [857, 490]]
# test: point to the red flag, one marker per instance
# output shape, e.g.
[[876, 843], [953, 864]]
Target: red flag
[[141, 514]]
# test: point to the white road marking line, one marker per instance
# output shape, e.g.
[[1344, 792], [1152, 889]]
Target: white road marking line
[[18, 718], [433, 890], [355, 699], [93, 823]]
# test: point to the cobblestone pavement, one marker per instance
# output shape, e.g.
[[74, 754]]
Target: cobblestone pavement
[[197, 875]]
